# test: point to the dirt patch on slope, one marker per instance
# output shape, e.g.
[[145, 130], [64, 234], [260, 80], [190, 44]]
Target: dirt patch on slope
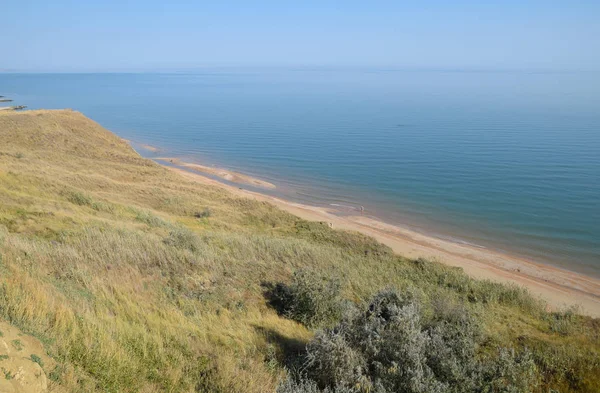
[[22, 362]]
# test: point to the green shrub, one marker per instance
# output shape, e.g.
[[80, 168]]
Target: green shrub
[[509, 372], [150, 219], [204, 213], [183, 238], [291, 385], [36, 359], [17, 344], [102, 207], [79, 198], [564, 322], [454, 335], [303, 386], [389, 347], [310, 299], [333, 361]]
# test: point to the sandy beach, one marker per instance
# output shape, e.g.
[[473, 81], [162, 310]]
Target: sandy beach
[[560, 288], [225, 174], [151, 148]]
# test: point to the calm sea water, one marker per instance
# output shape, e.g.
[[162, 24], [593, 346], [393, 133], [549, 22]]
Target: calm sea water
[[505, 160]]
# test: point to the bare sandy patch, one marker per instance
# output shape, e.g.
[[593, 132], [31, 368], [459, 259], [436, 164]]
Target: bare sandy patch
[[22, 362], [151, 148]]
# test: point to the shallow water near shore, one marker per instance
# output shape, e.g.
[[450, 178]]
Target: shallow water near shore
[[503, 160]]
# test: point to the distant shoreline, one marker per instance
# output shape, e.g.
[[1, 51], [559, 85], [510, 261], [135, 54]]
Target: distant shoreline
[[561, 288], [519, 185]]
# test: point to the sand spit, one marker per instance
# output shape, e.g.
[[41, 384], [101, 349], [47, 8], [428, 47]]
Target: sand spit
[[225, 174], [150, 148]]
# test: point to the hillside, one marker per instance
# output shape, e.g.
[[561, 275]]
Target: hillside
[[135, 278]]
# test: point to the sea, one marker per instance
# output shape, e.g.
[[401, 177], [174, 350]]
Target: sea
[[505, 160]]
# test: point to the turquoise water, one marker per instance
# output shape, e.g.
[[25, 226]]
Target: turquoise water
[[504, 160]]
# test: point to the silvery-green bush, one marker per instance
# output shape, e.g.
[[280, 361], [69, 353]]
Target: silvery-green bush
[[388, 346], [291, 385]]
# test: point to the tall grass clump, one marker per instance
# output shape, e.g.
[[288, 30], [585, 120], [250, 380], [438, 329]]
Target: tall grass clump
[[150, 219], [564, 322], [183, 238], [79, 198]]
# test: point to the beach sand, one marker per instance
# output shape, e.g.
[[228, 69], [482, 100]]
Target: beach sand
[[560, 288], [226, 174], [150, 148]]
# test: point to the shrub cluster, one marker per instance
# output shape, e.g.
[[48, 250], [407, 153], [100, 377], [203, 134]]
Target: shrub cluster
[[183, 238], [389, 347], [309, 299], [564, 322], [79, 198], [204, 213], [150, 219]]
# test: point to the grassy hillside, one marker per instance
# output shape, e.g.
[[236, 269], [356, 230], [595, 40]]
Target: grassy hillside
[[136, 279]]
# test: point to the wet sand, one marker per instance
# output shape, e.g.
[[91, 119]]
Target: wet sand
[[560, 288]]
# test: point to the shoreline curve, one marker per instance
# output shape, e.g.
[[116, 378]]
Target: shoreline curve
[[560, 288]]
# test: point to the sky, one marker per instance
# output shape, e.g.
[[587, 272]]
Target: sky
[[150, 35]]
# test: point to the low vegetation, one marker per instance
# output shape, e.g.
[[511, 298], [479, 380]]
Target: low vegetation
[[312, 302], [137, 279], [392, 344]]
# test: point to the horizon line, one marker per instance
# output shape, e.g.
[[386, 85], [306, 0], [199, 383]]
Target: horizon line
[[298, 67]]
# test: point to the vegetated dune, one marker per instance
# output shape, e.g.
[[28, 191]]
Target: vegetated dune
[[135, 278]]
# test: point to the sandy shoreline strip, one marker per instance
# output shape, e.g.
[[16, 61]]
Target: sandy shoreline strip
[[150, 148], [560, 288], [226, 174]]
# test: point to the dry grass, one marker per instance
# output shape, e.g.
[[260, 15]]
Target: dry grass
[[104, 259]]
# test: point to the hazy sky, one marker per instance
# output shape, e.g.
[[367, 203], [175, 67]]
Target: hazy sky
[[105, 35]]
